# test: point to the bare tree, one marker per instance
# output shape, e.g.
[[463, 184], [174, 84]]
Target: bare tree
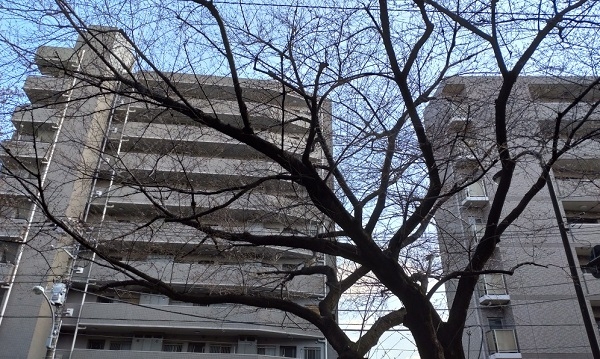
[[350, 82]]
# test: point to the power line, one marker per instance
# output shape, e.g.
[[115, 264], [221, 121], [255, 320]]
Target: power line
[[538, 15]]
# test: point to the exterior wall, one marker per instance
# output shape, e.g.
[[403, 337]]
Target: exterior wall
[[85, 146], [543, 307]]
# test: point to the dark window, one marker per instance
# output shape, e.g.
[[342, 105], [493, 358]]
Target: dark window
[[172, 347], [95, 344], [312, 353], [104, 299], [287, 351], [577, 220], [495, 323], [221, 348], [195, 348], [120, 345]]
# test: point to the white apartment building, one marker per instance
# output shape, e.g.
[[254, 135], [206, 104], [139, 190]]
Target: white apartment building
[[107, 163], [533, 313]]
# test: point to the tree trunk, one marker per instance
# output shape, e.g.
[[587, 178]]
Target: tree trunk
[[452, 343], [425, 334]]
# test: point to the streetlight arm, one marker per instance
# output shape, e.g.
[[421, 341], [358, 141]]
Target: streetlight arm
[[39, 290]]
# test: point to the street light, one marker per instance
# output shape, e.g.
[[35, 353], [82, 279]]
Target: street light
[[50, 345]]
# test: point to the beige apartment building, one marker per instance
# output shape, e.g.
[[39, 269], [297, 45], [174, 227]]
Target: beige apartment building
[[105, 163], [533, 313]]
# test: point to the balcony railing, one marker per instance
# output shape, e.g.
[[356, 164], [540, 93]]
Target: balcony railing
[[25, 151], [502, 343], [132, 354], [160, 138], [252, 276], [209, 319], [54, 61], [475, 195], [207, 169], [494, 290], [252, 206], [45, 89], [6, 270], [12, 228], [261, 116], [30, 119]]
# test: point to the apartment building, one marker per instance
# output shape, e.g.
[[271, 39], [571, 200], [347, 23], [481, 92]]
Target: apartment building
[[533, 313], [109, 164]]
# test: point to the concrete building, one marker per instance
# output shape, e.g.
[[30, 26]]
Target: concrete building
[[115, 166], [533, 313]]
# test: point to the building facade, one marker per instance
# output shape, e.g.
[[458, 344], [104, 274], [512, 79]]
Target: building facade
[[533, 313], [115, 167]]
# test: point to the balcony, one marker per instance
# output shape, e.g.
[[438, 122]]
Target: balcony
[[211, 320], [12, 229], [194, 140], [181, 237], [457, 123], [494, 290], [214, 276], [582, 189], [13, 187], [46, 90], [217, 87], [209, 170], [28, 120], [252, 206], [25, 151], [474, 195], [584, 229], [582, 157], [502, 344], [132, 354], [54, 61], [6, 271], [262, 115]]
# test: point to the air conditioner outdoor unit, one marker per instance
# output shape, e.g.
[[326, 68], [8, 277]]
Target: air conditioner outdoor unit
[[68, 312]]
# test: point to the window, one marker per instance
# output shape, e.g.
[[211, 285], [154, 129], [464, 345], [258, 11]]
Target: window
[[221, 348], [195, 348], [312, 353], [104, 299], [495, 323], [476, 189], [95, 344], [120, 345], [172, 347], [266, 350], [287, 351]]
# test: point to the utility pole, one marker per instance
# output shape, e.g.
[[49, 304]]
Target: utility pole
[[587, 322]]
